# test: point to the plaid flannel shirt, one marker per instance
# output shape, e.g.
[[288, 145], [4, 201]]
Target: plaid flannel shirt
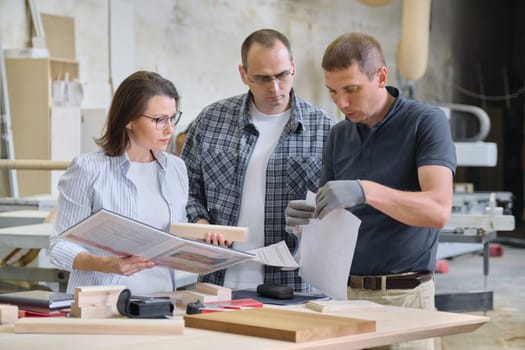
[[217, 150]]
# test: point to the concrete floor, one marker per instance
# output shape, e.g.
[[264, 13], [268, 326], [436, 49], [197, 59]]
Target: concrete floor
[[506, 329]]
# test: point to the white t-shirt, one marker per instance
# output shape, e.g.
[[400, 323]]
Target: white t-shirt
[[270, 127], [146, 180]]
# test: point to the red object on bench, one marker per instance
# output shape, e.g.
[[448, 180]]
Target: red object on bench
[[442, 266], [495, 250]]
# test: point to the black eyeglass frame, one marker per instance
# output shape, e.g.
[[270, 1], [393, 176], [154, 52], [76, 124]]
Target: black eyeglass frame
[[282, 77], [162, 121]]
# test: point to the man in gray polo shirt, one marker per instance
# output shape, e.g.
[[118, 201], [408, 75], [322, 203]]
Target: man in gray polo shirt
[[391, 162]]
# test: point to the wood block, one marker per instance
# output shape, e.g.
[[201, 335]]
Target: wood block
[[129, 326], [96, 301], [89, 300], [341, 305], [93, 311], [190, 296], [221, 292], [8, 313], [100, 290], [173, 295], [294, 326], [94, 295], [197, 231]]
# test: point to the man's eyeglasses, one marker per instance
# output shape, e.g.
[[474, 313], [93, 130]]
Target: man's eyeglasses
[[282, 77], [162, 121]]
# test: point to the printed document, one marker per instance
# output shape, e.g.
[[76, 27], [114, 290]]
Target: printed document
[[326, 251], [276, 254], [122, 236]]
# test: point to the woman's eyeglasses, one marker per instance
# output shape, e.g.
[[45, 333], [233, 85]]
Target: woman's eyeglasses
[[162, 121]]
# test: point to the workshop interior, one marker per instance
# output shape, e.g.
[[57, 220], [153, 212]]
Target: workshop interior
[[61, 62]]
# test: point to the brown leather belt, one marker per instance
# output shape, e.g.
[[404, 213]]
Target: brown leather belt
[[405, 281]]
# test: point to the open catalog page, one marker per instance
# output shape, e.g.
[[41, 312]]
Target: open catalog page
[[123, 236]]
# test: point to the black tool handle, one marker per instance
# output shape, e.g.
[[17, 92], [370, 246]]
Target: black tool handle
[[275, 291]]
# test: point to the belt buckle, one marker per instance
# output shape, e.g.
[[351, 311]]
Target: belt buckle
[[365, 282], [372, 282]]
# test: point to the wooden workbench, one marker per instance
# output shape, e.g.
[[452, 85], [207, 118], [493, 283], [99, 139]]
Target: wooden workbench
[[393, 325]]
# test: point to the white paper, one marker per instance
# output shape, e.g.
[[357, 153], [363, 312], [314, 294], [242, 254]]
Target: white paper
[[327, 248], [276, 254]]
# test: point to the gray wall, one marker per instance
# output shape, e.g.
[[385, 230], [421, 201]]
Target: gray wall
[[196, 44]]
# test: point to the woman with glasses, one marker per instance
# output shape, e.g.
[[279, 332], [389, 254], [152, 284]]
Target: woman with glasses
[[131, 175]]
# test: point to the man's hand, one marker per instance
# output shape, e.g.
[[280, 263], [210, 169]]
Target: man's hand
[[297, 213], [213, 237], [216, 239], [338, 194]]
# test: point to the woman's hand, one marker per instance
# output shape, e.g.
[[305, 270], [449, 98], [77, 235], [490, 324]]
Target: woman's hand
[[129, 265], [111, 264]]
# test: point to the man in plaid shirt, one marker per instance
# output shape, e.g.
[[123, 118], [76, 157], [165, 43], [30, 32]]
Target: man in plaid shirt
[[249, 155]]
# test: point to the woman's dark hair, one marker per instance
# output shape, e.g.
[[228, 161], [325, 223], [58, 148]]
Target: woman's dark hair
[[129, 103]]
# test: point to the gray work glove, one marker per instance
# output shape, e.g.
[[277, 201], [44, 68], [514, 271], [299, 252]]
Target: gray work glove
[[338, 194], [297, 213]]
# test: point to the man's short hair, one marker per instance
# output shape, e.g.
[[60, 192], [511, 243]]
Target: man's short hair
[[351, 48], [265, 37]]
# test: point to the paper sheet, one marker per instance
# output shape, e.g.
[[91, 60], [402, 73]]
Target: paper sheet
[[327, 248], [276, 254]]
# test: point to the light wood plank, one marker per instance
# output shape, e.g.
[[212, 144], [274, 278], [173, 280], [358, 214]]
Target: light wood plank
[[197, 231], [342, 305], [59, 325]]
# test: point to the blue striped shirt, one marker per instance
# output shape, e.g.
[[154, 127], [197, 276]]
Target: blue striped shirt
[[217, 150], [95, 181]]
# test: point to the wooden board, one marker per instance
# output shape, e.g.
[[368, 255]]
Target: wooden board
[[197, 231], [60, 36], [56, 325], [294, 326], [342, 305], [28, 80]]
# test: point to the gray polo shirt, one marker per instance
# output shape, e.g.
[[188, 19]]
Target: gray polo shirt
[[412, 134]]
